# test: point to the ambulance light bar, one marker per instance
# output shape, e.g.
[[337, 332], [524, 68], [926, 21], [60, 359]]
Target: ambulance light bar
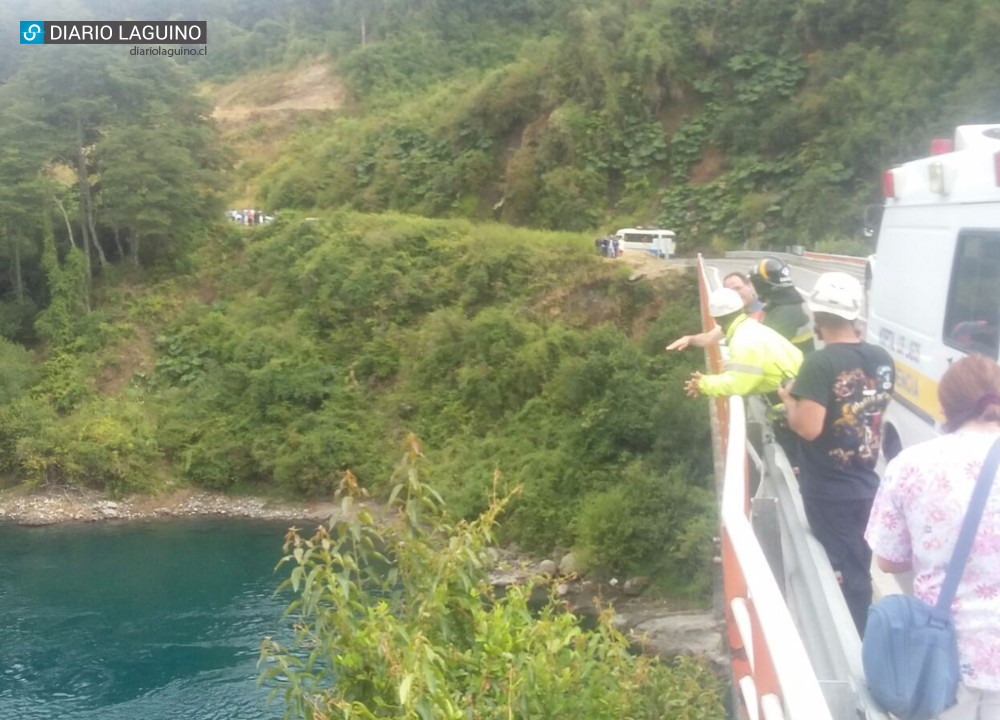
[[940, 146], [889, 183]]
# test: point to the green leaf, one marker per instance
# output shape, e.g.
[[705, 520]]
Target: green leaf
[[404, 689]]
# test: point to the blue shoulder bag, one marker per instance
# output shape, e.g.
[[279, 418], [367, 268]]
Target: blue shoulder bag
[[909, 650]]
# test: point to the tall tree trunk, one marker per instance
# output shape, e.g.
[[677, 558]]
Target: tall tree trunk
[[118, 244], [83, 186], [18, 277], [100, 250], [69, 227], [134, 245], [69, 231], [86, 205]]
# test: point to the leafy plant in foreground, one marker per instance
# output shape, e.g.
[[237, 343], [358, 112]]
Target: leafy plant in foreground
[[398, 620]]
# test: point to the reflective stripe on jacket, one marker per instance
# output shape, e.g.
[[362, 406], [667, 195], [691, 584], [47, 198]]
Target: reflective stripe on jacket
[[785, 314], [759, 360]]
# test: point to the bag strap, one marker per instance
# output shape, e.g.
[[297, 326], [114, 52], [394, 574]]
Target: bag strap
[[969, 526]]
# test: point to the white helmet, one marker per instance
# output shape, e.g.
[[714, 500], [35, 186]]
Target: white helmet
[[838, 294], [724, 301]]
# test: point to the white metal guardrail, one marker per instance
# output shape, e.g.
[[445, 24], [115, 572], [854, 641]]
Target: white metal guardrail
[[810, 588], [780, 682], [813, 261]]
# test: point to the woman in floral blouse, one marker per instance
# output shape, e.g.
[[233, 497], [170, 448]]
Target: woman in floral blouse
[[916, 518]]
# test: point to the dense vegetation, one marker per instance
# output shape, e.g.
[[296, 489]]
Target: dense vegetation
[[304, 348], [759, 123], [763, 123], [431, 639], [107, 162], [144, 344], [766, 123]]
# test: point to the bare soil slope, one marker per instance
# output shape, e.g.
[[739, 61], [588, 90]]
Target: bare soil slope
[[255, 97], [257, 114], [648, 265]]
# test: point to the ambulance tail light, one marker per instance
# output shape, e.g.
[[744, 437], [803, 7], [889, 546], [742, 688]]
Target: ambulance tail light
[[889, 181], [940, 146]]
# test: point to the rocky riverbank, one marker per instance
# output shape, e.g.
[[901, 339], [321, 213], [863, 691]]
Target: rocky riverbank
[[88, 506], [656, 627]]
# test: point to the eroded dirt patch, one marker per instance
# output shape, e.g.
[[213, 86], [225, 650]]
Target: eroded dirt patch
[[310, 87]]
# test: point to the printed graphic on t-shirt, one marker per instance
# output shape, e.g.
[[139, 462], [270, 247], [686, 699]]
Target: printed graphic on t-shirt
[[861, 400]]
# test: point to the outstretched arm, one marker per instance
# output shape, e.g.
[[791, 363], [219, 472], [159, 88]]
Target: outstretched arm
[[709, 337]]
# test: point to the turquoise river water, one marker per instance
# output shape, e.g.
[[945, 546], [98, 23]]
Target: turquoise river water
[[142, 621]]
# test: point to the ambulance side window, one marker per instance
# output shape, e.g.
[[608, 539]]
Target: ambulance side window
[[972, 318]]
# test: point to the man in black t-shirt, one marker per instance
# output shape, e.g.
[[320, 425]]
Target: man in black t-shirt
[[835, 405]]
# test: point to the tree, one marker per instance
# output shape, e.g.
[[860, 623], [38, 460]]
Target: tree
[[158, 161], [144, 154], [151, 185], [24, 153], [401, 622], [73, 101]]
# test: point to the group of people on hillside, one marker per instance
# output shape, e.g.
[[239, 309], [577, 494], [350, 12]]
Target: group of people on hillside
[[249, 217], [608, 246], [829, 403]]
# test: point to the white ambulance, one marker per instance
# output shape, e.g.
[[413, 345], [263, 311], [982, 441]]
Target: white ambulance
[[935, 292]]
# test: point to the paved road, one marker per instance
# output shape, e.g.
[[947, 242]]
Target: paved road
[[804, 272]]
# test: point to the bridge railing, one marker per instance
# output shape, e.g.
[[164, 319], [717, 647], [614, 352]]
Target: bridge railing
[[795, 653]]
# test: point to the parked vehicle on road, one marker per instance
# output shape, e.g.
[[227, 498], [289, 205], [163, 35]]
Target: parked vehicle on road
[[935, 296], [659, 242]]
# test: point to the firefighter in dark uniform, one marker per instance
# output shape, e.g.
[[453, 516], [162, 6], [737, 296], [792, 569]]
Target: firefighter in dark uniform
[[784, 307]]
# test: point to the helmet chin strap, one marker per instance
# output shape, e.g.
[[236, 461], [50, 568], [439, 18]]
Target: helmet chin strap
[[726, 321]]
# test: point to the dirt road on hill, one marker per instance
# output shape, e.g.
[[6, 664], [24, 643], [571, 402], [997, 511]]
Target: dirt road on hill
[[310, 87]]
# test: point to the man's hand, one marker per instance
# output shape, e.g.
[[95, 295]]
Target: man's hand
[[701, 340], [785, 391], [691, 385], [805, 417], [681, 343]]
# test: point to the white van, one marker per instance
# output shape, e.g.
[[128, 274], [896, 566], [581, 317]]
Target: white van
[[935, 296], [662, 243]]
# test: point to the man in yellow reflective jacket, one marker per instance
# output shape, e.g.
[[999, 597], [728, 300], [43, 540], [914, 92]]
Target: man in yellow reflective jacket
[[759, 361]]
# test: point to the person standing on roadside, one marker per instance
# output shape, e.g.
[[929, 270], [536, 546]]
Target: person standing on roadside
[[753, 307], [835, 405], [740, 282], [917, 515], [759, 358], [783, 303]]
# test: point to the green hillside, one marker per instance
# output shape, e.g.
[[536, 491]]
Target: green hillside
[[147, 343], [736, 123], [294, 353], [439, 169]]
